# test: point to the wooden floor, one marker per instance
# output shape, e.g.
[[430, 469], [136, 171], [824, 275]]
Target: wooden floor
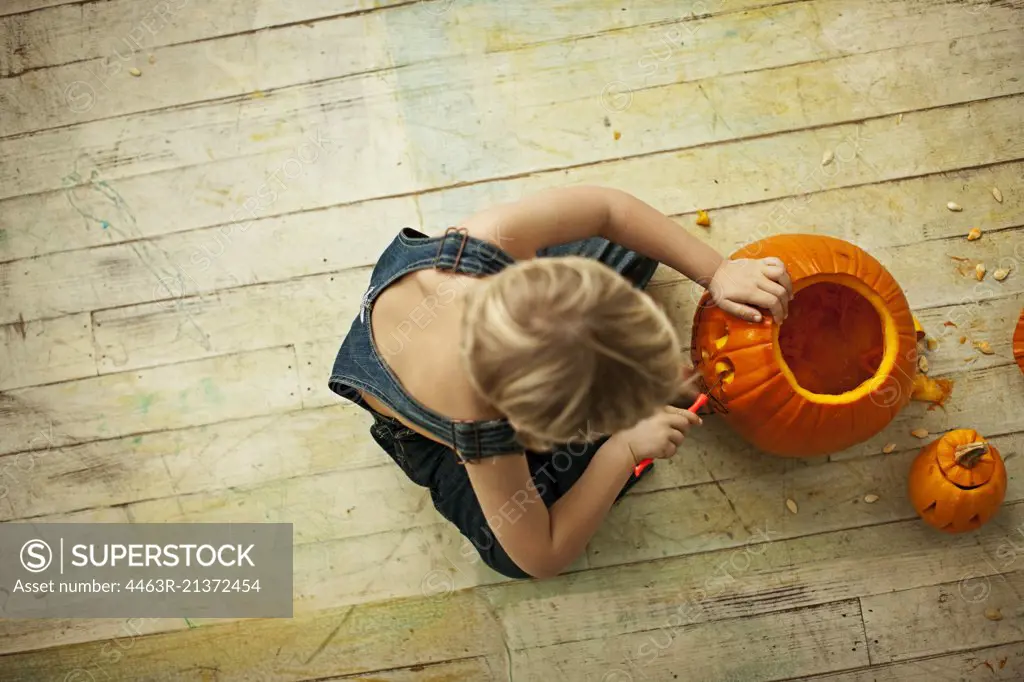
[[181, 252]]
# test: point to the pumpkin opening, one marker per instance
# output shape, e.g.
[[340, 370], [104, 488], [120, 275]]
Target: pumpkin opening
[[833, 339]]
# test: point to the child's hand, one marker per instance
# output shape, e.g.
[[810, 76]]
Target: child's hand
[[659, 436], [740, 284]]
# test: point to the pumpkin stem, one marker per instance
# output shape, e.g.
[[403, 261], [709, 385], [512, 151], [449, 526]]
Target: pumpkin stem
[[968, 455]]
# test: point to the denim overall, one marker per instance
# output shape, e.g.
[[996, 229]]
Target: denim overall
[[438, 467]]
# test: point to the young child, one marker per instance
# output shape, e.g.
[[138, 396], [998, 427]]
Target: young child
[[515, 367]]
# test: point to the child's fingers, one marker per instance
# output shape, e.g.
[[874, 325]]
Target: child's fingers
[[682, 420], [780, 307], [744, 312]]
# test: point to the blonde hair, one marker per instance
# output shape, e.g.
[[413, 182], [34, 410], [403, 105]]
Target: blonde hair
[[566, 348]]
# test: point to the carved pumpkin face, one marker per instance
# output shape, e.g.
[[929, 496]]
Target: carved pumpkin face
[[1018, 342], [957, 482], [834, 373]]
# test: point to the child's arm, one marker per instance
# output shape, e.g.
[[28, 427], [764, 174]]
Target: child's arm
[[563, 215], [544, 542]]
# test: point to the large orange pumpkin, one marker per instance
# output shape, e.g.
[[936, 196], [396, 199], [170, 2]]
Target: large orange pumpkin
[[1018, 342], [957, 482], [837, 370]]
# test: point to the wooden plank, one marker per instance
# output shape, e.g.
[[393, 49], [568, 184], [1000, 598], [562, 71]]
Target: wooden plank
[[739, 172], [316, 307], [992, 663], [478, 28], [829, 497], [331, 643], [785, 644], [426, 561], [103, 88], [769, 574], [322, 507], [191, 263], [46, 351], [946, 618], [113, 30], [493, 668], [416, 562], [181, 462], [982, 320], [99, 515], [397, 39], [882, 215], [28, 635], [196, 150], [19, 6], [168, 397]]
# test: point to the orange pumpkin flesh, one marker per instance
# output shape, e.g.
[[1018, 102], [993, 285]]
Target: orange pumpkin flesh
[[834, 373], [832, 339], [1018, 342], [954, 487]]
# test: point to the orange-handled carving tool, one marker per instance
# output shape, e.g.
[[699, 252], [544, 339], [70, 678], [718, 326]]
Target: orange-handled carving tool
[[701, 400]]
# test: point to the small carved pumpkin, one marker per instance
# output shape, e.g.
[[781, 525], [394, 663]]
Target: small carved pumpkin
[[1018, 342], [957, 482], [837, 370]]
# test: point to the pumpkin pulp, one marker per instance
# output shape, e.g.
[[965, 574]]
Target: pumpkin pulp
[[838, 342]]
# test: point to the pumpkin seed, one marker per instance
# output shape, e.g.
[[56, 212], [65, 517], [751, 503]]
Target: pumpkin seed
[[871, 499], [953, 206], [922, 363], [135, 72], [828, 157], [1001, 274], [703, 219], [993, 614], [979, 271], [932, 344], [984, 347], [997, 194], [791, 506], [889, 448], [919, 433], [974, 234]]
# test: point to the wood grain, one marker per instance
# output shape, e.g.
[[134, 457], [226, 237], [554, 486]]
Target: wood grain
[[46, 351], [200, 150], [784, 644], [334, 642], [768, 574], [167, 397], [991, 663], [947, 617], [165, 464], [121, 27]]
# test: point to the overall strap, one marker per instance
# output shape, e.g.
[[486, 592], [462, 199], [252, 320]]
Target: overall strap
[[454, 251], [359, 365]]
